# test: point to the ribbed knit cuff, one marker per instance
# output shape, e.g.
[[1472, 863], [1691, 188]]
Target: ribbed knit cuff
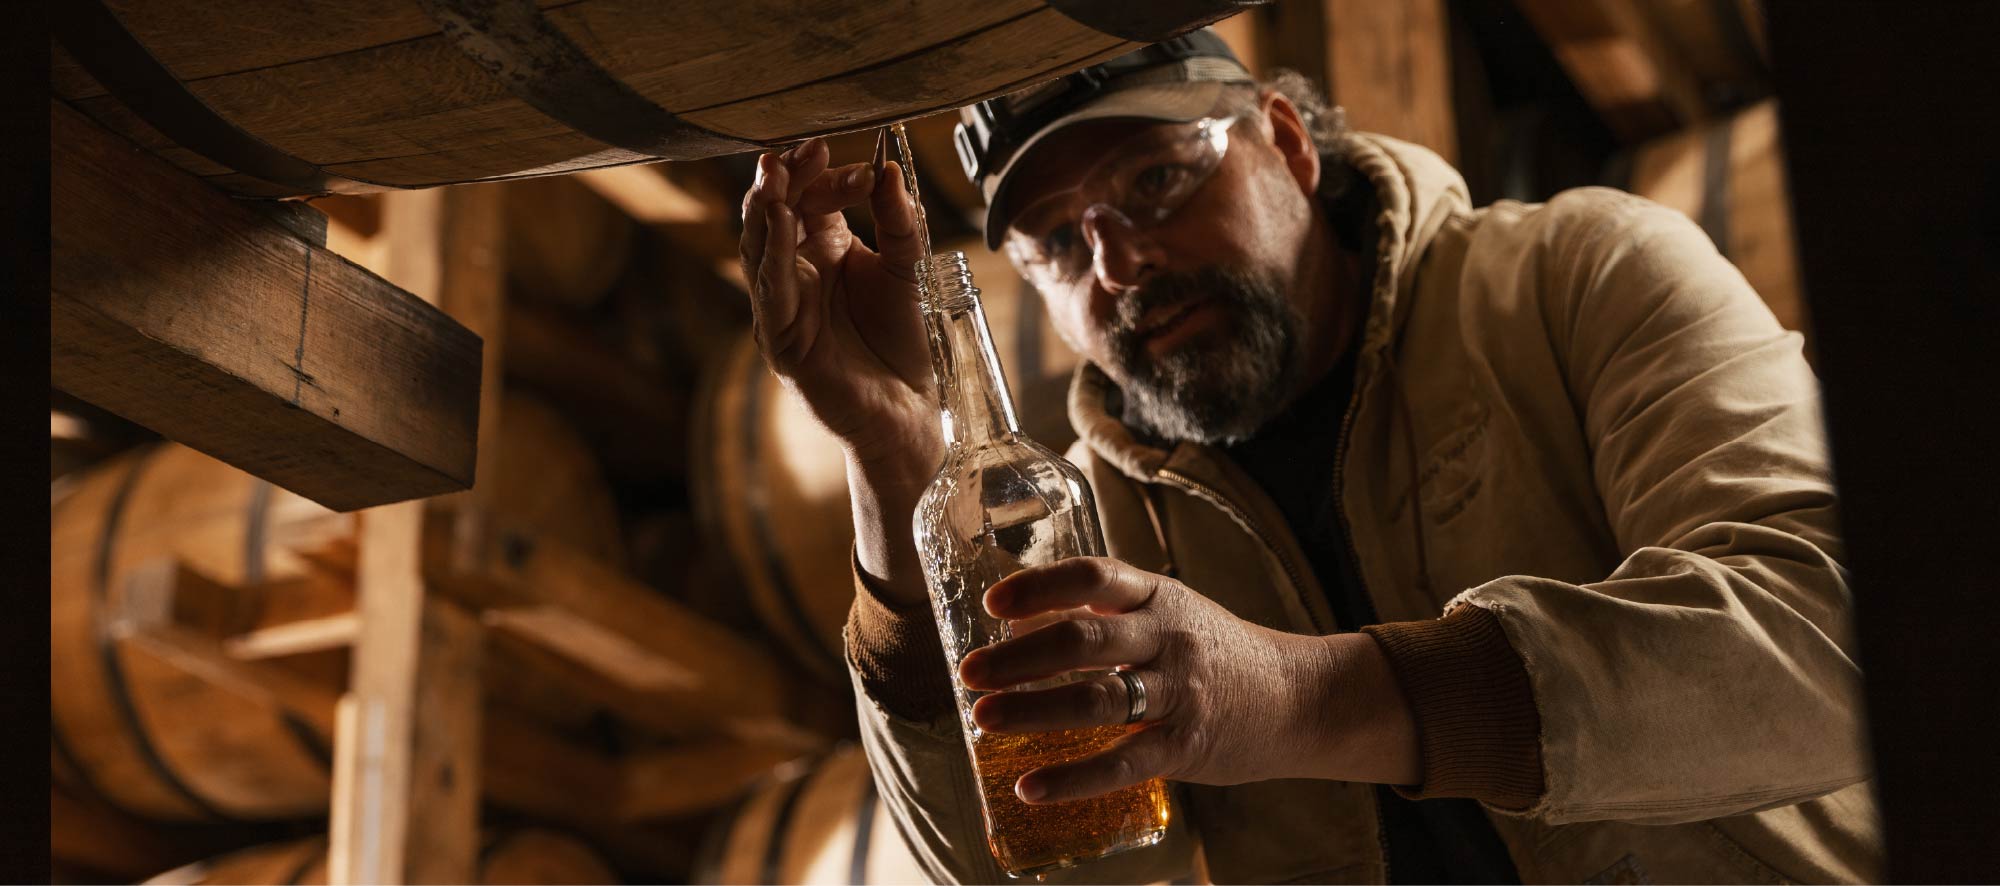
[[896, 652], [1477, 727]]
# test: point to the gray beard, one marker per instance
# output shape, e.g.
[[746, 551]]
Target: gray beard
[[1208, 391]]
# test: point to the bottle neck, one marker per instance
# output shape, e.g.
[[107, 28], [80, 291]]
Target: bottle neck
[[971, 389]]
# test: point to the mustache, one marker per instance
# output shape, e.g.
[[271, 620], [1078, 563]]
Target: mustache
[[1167, 291]]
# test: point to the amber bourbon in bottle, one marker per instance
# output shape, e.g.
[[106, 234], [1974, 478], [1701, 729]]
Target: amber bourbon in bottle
[[1001, 502]]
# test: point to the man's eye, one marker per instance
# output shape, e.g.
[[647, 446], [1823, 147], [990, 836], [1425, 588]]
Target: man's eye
[[1154, 181]]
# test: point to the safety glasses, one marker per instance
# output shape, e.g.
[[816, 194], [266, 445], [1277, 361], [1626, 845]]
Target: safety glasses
[[1140, 183]]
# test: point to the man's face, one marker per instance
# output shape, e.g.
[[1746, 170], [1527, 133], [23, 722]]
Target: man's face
[[1195, 314]]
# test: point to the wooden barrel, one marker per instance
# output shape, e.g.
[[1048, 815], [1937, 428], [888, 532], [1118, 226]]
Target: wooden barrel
[[156, 741], [1729, 176], [825, 824], [565, 244], [288, 99], [771, 484], [505, 858]]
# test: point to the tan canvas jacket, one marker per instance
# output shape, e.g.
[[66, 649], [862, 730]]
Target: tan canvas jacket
[[1578, 417]]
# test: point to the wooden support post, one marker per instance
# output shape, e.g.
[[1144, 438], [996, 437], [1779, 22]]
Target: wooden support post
[[1387, 64], [406, 749], [407, 765], [210, 322], [1620, 65]]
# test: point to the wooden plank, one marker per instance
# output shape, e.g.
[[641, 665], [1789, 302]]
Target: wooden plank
[[179, 308], [406, 786], [408, 768], [468, 231], [1620, 65], [294, 638], [1387, 64], [690, 668], [172, 612], [645, 193]]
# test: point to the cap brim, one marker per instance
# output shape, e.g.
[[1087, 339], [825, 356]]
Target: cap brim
[[1177, 102]]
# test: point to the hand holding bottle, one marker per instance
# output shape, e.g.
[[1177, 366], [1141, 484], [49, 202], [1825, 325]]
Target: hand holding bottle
[[1228, 701]]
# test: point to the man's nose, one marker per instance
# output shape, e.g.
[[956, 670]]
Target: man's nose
[[1121, 256]]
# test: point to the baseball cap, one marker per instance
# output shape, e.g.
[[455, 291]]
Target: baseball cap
[[1174, 81]]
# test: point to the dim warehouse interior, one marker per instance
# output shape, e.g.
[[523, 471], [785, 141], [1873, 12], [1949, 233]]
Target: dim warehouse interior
[[443, 491]]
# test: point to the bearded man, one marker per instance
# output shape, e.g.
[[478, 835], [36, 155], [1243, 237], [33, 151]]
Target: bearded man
[[1450, 544]]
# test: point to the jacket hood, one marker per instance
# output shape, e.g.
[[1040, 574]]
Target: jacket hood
[[1417, 192]]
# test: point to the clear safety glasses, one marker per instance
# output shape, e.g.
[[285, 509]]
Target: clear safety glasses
[[1140, 183]]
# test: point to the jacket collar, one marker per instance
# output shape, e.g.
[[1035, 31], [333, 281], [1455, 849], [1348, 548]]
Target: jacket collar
[[1417, 192]]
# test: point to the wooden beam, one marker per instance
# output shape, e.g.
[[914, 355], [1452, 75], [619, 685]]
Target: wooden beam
[[188, 312], [687, 666], [1619, 64], [646, 193], [293, 638], [406, 749]]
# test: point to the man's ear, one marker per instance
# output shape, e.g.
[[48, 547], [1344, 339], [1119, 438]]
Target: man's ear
[[1286, 130]]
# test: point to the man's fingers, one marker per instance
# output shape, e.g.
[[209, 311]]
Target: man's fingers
[[1100, 702], [808, 160], [1135, 757], [1070, 645], [1101, 583], [895, 224], [837, 189], [764, 192], [775, 296]]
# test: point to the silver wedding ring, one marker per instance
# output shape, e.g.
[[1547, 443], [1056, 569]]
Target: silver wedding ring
[[1135, 693]]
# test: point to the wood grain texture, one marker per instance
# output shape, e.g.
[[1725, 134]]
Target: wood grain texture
[[406, 747], [378, 95], [1035, 47], [1387, 64], [1390, 67], [180, 309]]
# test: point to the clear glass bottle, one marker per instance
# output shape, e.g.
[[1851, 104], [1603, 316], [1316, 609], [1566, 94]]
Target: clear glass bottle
[[1001, 502]]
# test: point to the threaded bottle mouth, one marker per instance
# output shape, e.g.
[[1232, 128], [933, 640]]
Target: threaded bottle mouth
[[950, 278]]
